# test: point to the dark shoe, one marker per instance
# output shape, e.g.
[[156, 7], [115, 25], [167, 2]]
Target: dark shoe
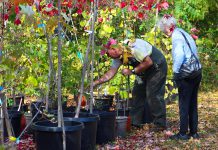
[[179, 136], [194, 135]]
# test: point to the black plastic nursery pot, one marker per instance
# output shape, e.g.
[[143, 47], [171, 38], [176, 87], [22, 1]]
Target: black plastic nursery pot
[[90, 128], [23, 108], [15, 118], [65, 107], [104, 103], [18, 98], [49, 137], [106, 126]]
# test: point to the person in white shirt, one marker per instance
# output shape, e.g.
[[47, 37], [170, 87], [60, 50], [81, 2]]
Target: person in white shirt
[[149, 66]]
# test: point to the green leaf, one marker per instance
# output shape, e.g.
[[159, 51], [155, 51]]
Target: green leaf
[[82, 23], [107, 28], [32, 81], [112, 90]]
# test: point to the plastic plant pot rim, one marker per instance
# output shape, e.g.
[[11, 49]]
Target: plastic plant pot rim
[[36, 126], [102, 113], [121, 117], [83, 117]]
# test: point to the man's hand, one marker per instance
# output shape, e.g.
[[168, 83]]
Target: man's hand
[[126, 72]]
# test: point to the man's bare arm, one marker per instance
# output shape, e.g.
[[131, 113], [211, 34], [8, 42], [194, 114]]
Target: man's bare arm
[[106, 77], [147, 63]]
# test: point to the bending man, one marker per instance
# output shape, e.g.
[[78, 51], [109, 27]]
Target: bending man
[[149, 66]]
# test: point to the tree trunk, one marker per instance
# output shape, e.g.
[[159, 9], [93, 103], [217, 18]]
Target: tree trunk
[[93, 56], [60, 111], [51, 71], [85, 65]]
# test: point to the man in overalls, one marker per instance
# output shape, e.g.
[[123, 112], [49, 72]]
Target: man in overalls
[[150, 67]]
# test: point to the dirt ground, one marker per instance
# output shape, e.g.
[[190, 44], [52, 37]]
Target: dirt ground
[[142, 139]]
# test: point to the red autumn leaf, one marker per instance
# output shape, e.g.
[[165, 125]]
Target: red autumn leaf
[[158, 6], [79, 11], [63, 10], [79, 6], [132, 2], [69, 5], [50, 5], [134, 7], [149, 4], [45, 12], [17, 10], [100, 20], [55, 11], [148, 7], [17, 21], [6, 16], [102, 52], [51, 13], [40, 7], [165, 5], [123, 4], [140, 15]]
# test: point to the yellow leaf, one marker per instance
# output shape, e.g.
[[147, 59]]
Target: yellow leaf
[[82, 23], [121, 24], [12, 138], [107, 28], [114, 12]]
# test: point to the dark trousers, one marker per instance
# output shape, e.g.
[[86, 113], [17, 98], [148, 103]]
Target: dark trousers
[[148, 98], [188, 92]]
